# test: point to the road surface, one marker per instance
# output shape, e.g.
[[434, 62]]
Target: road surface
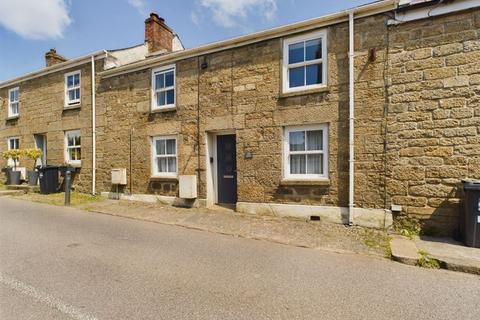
[[63, 263]]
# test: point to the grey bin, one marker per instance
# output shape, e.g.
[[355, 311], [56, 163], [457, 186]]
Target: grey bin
[[472, 213], [48, 176]]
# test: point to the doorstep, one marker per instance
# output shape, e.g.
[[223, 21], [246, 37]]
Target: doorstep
[[450, 254]]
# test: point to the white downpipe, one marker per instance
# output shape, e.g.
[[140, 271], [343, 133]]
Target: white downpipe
[[351, 161], [94, 129]]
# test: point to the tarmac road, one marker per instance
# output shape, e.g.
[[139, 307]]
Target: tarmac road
[[63, 263]]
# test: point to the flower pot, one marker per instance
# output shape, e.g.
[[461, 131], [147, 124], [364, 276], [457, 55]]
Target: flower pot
[[32, 178], [13, 177]]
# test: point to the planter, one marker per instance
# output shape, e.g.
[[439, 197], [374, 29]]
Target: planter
[[13, 177], [32, 178]]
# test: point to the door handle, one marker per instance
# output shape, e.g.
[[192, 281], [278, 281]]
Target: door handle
[[227, 177]]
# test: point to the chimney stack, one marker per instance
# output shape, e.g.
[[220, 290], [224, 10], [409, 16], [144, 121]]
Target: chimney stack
[[158, 35], [52, 57]]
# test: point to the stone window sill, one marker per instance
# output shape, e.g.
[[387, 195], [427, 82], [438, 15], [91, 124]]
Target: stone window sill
[[164, 179], [313, 182], [72, 107], [304, 92], [13, 117], [159, 110]]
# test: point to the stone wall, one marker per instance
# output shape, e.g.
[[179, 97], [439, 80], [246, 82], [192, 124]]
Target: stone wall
[[42, 112], [240, 91], [433, 116]]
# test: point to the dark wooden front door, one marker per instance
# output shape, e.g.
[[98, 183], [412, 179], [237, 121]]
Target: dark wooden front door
[[227, 169]]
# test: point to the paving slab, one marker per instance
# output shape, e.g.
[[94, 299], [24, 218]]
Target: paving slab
[[453, 255], [404, 250], [11, 192]]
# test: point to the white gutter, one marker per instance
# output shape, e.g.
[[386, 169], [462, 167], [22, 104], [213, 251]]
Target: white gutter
[[323, 21], [351, 142], [56, 67]]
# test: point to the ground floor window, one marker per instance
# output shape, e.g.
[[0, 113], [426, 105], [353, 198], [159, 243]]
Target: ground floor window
[[164, 156], [73, 147], [13, 143], [306, 152]]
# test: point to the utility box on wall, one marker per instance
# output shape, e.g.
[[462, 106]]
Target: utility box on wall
[[188, 187], [119, 176]]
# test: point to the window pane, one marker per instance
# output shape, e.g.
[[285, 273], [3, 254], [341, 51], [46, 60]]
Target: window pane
[[296, 77], [70, 140], [172, 164], [171, 147], [159, 81], [161, 98], [315, 163], [14, 108], [313, 49], [170, 96], [297, 164], [77, 94], [296, 53], [160, 147], [79, 154], [12, 96], [314, 140], [71, 95], [76, 79], [71, 154], [314, 74], [77, 140], [162, 164], [70, 81], [169, 79], [297, 141]]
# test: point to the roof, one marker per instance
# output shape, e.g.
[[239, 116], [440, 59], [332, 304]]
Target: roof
[[156, 58], [323, 21]]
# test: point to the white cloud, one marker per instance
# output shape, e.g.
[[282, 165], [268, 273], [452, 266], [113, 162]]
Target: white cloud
[[139, 5], [35, 19], [231, 13]]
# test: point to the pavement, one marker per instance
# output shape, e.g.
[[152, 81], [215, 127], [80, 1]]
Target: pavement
[[450, 254], [66, 263], [297, 232]]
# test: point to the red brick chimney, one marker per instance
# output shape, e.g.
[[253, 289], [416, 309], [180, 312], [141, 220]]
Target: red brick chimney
[[52, 57], [158, 35]]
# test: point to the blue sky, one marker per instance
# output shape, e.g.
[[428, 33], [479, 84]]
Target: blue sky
[[29, 28]]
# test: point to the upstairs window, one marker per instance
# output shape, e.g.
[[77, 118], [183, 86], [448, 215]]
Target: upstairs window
[[164, 156], [306, 152], [13, 102], [73, 148], [72, 88], [305, 62], [163, 88]]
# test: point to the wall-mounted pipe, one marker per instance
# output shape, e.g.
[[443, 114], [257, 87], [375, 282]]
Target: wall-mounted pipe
[[351, 143], [94, 129]]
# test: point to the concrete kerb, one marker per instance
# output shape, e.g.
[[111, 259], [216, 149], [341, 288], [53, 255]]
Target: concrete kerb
[[406, 251]]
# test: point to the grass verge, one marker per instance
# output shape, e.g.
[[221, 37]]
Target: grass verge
[[378, 240]]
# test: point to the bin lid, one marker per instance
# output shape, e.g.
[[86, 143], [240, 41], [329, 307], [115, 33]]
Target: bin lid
[[471, 184]]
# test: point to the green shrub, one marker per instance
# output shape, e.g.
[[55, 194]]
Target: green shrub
[[407, 226]]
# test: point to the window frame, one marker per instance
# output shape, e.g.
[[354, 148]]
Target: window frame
[[286, 152], [67, 147], [154, 170], [73, 103], [324, 60], [10, 102], [9, 160], [163, 69]]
